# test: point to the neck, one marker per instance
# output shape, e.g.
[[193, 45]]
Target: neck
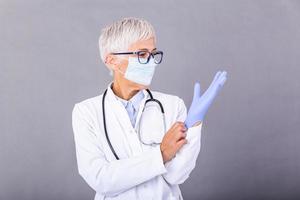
[[122, 91]]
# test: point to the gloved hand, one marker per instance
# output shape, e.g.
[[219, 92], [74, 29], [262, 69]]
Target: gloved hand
[[200, 104]]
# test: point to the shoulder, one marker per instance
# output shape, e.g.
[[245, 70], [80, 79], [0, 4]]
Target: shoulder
[[169, 99], [174, 106], [158, 94], [87, 106]]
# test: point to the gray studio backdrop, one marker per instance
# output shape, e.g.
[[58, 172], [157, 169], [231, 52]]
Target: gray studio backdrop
[[49, 61]]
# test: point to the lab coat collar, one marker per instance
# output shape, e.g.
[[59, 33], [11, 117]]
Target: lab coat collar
[[135, 100], [120, 111], [112, 96]]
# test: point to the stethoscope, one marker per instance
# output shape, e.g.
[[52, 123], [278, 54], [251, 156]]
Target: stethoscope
[[147, 101]]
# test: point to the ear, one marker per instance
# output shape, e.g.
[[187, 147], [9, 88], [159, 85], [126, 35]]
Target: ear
[[111, 62]]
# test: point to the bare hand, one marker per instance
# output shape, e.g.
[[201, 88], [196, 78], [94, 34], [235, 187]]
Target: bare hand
[[173, 140]]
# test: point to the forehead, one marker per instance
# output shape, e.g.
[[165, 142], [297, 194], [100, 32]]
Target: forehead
[[143, 44]]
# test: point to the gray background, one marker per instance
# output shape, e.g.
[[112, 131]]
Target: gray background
[[49, 60]]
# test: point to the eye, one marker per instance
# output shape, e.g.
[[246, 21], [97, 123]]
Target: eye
[[143, 54]]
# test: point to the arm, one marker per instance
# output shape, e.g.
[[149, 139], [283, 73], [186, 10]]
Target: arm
[[110, 178], [181, 166], [184, 162]]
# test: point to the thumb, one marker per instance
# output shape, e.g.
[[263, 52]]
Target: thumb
[[197, 91]]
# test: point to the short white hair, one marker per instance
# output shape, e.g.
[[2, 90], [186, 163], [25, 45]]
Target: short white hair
[[121, 34]]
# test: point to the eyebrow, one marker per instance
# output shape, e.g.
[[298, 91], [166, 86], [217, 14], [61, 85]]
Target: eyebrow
[[147, 49]]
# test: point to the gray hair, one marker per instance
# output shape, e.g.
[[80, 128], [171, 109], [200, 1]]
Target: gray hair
[[121, 34]]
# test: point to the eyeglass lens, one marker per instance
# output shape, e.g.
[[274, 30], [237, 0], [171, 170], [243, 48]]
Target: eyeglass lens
[[144, 56]]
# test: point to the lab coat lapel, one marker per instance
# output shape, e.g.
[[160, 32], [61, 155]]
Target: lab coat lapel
[[141, 107], [115, 131], [119, 110], [129, 135]]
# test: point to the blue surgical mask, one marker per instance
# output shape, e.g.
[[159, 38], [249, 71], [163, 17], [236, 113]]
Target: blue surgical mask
[[140, 73]]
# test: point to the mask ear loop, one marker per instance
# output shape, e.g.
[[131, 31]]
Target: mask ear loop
[[119, 66]]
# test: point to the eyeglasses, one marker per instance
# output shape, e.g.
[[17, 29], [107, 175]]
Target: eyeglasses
[[144, 55]]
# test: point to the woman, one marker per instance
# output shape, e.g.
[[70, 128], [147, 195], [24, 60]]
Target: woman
[[127, 149]]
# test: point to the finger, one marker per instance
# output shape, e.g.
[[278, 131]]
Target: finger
[[181, 127], [177, 134], [178, 124], [216, 82], [215, 79], [223, 74], [197, 91], [180, 143], [215, 85], [175, 126], [221, 80], [181, 136]]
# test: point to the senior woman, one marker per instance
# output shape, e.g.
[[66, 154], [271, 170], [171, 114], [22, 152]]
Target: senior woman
[[132, 142]]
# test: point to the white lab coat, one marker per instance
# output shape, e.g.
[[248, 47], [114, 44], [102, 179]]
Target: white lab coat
[[140, 173]]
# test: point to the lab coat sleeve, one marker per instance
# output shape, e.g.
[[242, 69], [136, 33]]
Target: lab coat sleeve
[[180, 167], [117, 176]]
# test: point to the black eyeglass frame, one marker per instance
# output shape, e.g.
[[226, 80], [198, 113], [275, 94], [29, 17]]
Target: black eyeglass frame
[[142, 51]]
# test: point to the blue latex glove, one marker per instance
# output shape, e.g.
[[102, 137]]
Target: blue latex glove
[[200, 104]]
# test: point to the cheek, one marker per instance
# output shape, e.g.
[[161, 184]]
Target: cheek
[[123, 64]]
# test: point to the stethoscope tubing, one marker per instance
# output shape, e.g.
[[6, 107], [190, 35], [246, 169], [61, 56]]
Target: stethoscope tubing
[[104, 119]]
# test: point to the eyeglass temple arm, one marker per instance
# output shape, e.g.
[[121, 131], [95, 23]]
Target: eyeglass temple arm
[[124, 53]]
